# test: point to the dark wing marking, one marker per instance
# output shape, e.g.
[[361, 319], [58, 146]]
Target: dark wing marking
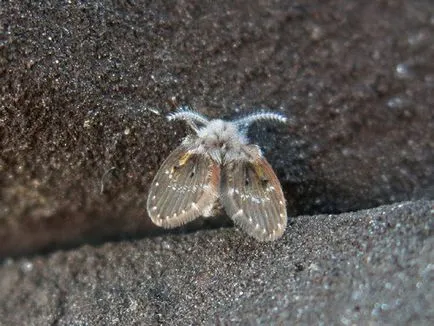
[[252, 196], [185, 187]]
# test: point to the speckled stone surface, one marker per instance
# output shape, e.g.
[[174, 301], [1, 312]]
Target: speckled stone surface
[[370, 267], [84, 90]]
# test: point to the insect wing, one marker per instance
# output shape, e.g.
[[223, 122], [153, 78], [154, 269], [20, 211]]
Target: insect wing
[[252, 196], [185, 187]]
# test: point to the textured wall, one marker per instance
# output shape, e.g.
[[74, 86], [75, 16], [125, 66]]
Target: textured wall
[[85, 87]]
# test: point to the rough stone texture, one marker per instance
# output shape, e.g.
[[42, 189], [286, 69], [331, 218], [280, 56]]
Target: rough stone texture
[[365, 268], [84, 87]]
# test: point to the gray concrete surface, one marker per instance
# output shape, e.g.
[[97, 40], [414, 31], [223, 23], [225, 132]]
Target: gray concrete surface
[[370, 267], [84, 90]]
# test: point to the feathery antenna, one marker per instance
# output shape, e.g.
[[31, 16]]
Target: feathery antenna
[[260, 116], [190, 116], [185, 113]]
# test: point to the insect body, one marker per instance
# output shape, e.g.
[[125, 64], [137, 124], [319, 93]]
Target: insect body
[[218, 165]]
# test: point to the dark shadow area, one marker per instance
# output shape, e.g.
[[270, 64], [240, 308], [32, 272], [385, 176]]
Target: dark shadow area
[[36, 247]]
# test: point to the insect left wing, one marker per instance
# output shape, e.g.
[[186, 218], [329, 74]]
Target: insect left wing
[[185, 187], [252, 196]]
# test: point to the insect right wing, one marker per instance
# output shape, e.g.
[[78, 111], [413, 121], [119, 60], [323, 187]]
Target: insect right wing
[[252, 196], [186, 186]]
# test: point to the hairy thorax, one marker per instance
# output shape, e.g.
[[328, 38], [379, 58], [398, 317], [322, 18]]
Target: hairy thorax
[[221, 140]]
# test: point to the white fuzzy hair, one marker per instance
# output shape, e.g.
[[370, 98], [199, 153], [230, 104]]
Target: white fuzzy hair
[[223, 140]]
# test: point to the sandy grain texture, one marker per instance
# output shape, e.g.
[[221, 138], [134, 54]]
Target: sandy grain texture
[[84, 90]]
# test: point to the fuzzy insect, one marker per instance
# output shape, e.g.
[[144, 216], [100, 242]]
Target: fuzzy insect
[[217, 166]]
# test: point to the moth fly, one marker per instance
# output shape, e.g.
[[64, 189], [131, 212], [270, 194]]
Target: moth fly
[[217, 165]]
